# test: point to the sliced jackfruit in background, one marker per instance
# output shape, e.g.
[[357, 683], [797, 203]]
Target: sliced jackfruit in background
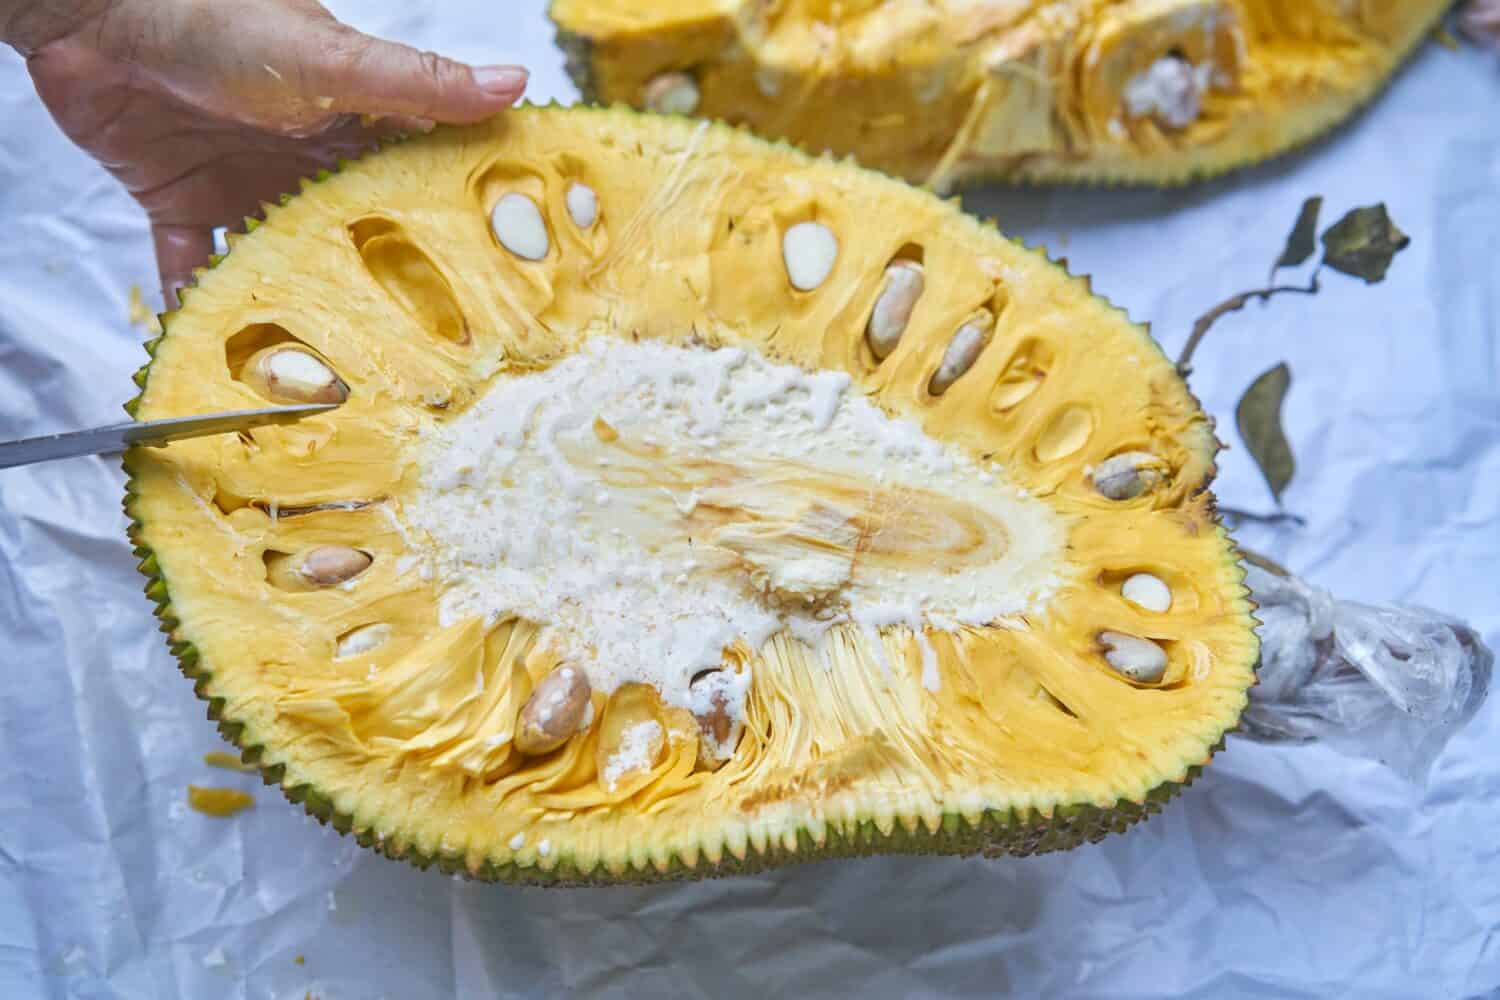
[[1139, 91]]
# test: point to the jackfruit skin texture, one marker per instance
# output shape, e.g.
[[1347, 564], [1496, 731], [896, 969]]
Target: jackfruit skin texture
[[605, 53], [992, 832]]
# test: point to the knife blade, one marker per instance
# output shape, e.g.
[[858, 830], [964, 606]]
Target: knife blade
[[151, 433]]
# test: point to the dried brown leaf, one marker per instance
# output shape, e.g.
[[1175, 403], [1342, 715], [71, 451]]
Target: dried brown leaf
[[1363, 243], [1302, 241], [1258, 417]]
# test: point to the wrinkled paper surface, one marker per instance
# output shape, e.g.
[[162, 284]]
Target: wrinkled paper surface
[[1285, 871]]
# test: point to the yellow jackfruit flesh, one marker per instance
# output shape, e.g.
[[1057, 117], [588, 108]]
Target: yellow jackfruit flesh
[[692, 506], [1111, 91]]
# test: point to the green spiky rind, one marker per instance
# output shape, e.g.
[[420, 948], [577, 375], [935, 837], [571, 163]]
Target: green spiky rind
[[996, 832], [578, 60], [578, 53]]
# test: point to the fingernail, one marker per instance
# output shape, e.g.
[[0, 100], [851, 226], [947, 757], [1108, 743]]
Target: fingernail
[[500, 80]]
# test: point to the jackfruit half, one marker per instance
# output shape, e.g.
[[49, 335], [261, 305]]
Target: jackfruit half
[[691, 506], [942, 91]]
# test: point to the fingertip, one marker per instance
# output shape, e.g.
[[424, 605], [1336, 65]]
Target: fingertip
[[506, 83], [173, 282], [179, 250]]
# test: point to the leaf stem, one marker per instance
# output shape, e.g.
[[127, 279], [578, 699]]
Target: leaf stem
[[1233, 304]]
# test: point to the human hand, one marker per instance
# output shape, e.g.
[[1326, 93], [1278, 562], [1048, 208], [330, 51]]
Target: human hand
[[206, 109], [1480, 20]]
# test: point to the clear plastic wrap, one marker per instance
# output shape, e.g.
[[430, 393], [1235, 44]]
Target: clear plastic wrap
[[1389, 683]]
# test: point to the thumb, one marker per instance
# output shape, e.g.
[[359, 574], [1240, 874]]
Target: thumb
[[367, 75]]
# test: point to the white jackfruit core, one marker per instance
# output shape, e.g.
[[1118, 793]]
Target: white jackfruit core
[[653, 506]]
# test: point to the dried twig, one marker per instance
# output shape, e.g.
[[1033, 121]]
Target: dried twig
[[1233, 304]]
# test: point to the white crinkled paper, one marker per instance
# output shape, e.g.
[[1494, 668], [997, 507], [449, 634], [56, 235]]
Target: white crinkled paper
[[1285, 871]]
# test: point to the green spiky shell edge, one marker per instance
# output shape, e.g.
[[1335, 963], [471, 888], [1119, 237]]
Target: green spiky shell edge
[[994, 832], [578, 61]]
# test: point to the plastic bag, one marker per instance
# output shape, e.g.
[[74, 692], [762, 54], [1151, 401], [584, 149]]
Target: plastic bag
[[1389, 683]]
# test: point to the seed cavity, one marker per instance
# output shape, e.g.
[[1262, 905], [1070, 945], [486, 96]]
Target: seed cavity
[[1067, 432], [810, 250], [1128, 475], [904, 284], [553, 711], [519, 227], [673, 93], [285, 374], [1171, 90], [276, 512], [409, 277], [1023, 375], [716, 701], [1134, 658], [362, 640], [325, 566], [963, 350], [583, 205], [1147, 591]]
